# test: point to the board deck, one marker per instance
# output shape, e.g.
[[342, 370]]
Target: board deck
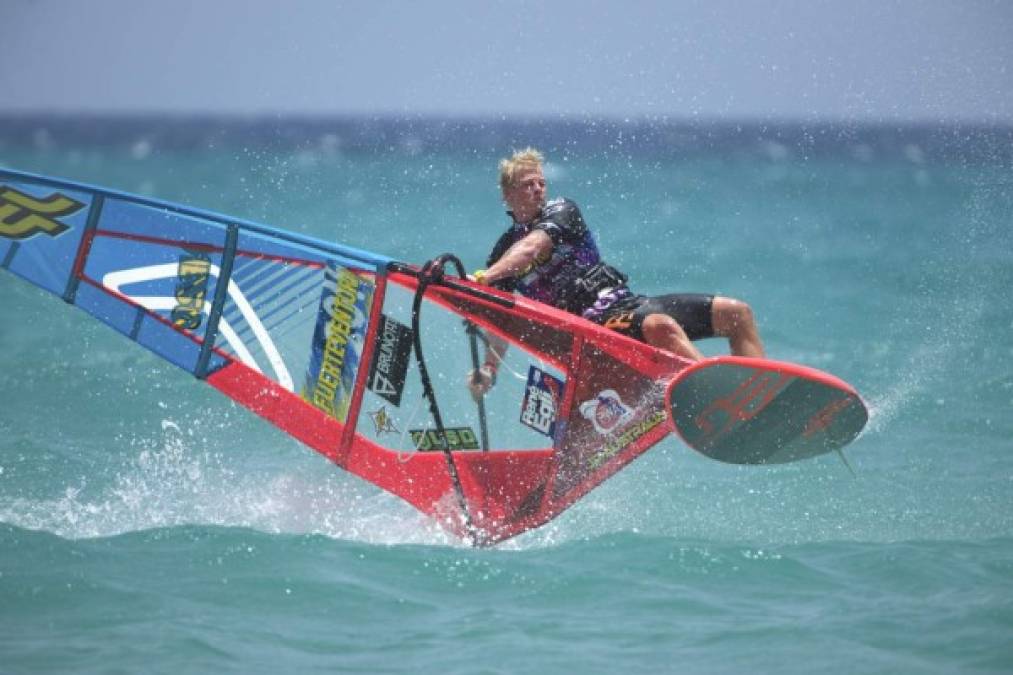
[[758, 411]]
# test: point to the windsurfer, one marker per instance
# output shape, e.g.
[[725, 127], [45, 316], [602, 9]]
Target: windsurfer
[[549, 254]]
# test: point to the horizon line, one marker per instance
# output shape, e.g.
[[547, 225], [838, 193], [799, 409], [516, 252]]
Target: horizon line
[[481, 118]]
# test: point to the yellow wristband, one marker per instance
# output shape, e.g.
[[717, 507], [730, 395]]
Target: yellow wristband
[[479, 277]]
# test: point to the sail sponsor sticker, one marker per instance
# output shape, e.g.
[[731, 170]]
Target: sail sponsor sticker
[[390, 359], [630, 435], [457, 438], [191, 290], [383, 422], [338, 340], [23, 216], [542, 398], [606, 411]]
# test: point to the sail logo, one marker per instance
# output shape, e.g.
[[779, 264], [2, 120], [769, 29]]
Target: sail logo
[[628, 437], [23, 216], [542, 398], [389, 369], [606, 411], [338, 340], [383, 422], [191, 291], [456, 438]]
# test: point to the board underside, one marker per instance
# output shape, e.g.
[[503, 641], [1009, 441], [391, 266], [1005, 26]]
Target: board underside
[[756, 411]]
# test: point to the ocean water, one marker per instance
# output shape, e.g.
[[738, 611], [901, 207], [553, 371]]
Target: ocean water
[[147, 524]]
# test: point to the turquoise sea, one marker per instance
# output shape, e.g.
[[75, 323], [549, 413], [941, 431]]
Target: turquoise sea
[[148, 524]]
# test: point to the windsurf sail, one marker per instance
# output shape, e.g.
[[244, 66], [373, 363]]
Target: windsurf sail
[[360, 357], [317, 338]]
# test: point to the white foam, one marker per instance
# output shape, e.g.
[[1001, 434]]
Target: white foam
[[174, 482]]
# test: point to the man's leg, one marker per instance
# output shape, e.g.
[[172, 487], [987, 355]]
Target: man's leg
[[734, 320], [661, 330]]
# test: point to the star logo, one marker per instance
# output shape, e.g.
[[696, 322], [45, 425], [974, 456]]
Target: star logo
[[383, 422]]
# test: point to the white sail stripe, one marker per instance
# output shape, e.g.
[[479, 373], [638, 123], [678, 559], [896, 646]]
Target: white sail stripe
[[116, 280], [155, 303]]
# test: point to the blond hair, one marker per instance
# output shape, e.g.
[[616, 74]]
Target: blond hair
[[521, 160]]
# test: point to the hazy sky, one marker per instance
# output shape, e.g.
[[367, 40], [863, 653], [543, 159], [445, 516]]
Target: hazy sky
[[850, 59]]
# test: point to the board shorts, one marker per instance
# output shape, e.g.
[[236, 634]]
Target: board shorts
[[691, 310]]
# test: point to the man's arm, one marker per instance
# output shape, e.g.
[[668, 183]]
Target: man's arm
[[481, 380], [522, 256], [519, 258]]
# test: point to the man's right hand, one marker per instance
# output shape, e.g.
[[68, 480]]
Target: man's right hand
[[480, 381]]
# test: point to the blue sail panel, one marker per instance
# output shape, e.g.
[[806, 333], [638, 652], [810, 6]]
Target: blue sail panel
[[109, 309], [166, 266], [144, 327], [285, 245], [174, 346], [199, 289], [261, 283], [41, 228], [131, 218], [298, 315], [269, 308]]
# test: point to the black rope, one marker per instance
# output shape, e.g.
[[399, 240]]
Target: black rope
[[432, 272]]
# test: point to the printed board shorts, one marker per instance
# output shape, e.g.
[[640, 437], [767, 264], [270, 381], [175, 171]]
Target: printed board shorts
[[691, 310]]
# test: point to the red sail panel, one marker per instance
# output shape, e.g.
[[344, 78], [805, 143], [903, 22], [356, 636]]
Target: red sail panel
[[607, 411]]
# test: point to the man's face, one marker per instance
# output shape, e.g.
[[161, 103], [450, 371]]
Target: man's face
[[526, 196]]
